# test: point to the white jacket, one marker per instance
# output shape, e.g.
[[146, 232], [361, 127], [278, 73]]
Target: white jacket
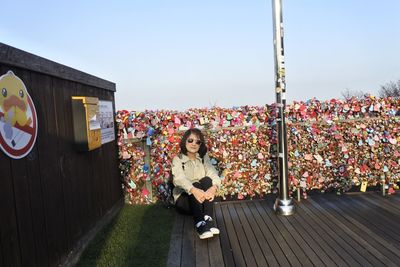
[[186, 172]]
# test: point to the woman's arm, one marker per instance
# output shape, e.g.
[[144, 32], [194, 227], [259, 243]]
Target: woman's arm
[[181, 181], [211, 172], [178, 173], [216, 180]]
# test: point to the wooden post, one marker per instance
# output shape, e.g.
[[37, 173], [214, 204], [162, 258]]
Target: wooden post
[[298, 194], [148, 184]]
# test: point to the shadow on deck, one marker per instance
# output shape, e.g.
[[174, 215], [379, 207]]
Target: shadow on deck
[[327, 230]]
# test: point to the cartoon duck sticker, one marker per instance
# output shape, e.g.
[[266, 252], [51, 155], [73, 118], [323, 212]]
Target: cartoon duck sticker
[[18, 121]]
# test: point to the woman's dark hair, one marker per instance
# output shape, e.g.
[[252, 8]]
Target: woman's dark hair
[[199, 135]]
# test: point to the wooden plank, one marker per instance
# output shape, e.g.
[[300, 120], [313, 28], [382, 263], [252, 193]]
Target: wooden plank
[[317, 243], [379, 254], [295, 247], [389, 249], [111, 190], [340, 235], [94, 183], [214, 251], [392, 201], [308, 251], [279, 237], [379, 217], [329, 228], [233, 239], [41, 93], [261, 240], [324, 232], [388, 206], [94, 187], [52, 188], [201, 251], [322, 247], [103, 186], [387, 215], [8, 223], [80, 178], [380, 242], [74, 169], [23, 212], [252, 240], [188, 248], [395, 198], [373, 223], [22, 196], [214, 246], [96, 198], [347, 237], [223, 236], [1, 255], [175, 247], [105, 166], [268, 236], [243, 242], [97, 181]]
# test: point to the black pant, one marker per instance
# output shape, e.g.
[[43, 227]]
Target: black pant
[[188, 204]]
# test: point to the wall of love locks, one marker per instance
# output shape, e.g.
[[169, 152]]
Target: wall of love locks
[[333, 146]]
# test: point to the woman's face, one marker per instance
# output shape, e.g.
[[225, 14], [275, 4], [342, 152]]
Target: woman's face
[[193, 144]]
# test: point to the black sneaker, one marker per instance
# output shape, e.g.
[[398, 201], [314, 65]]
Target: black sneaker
[[210, 225], [203, 231]]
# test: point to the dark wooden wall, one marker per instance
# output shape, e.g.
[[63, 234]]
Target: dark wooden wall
[[52, 197]]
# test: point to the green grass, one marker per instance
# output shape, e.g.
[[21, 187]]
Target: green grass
[[138, 236]]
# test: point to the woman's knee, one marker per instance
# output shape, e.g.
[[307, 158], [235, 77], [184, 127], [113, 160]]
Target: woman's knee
[[206, 182], [197, 185]]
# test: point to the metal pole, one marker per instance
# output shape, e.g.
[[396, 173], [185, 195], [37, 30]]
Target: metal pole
[[283, 204]]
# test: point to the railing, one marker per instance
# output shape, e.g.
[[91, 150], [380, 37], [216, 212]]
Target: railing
[[371, 123]]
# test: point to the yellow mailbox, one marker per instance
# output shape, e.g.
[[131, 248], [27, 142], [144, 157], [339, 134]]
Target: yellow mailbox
[[87, 131]]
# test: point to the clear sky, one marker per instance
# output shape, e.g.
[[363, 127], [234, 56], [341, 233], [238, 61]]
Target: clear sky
[[178, 54]]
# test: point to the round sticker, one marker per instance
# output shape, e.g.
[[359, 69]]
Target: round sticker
[[18, 119]]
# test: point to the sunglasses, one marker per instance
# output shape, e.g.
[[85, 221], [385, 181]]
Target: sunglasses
[[190, 140]]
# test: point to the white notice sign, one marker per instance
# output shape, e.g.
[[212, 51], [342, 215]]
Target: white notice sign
[[106, 117]]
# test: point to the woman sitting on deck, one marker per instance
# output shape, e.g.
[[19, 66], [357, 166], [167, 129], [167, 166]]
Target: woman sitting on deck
[[196, 182]]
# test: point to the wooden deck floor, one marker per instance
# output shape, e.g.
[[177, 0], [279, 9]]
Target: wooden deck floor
[[327, 230]]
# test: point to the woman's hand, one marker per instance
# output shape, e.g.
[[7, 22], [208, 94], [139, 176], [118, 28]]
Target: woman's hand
[[210, 193], [198, 194]]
